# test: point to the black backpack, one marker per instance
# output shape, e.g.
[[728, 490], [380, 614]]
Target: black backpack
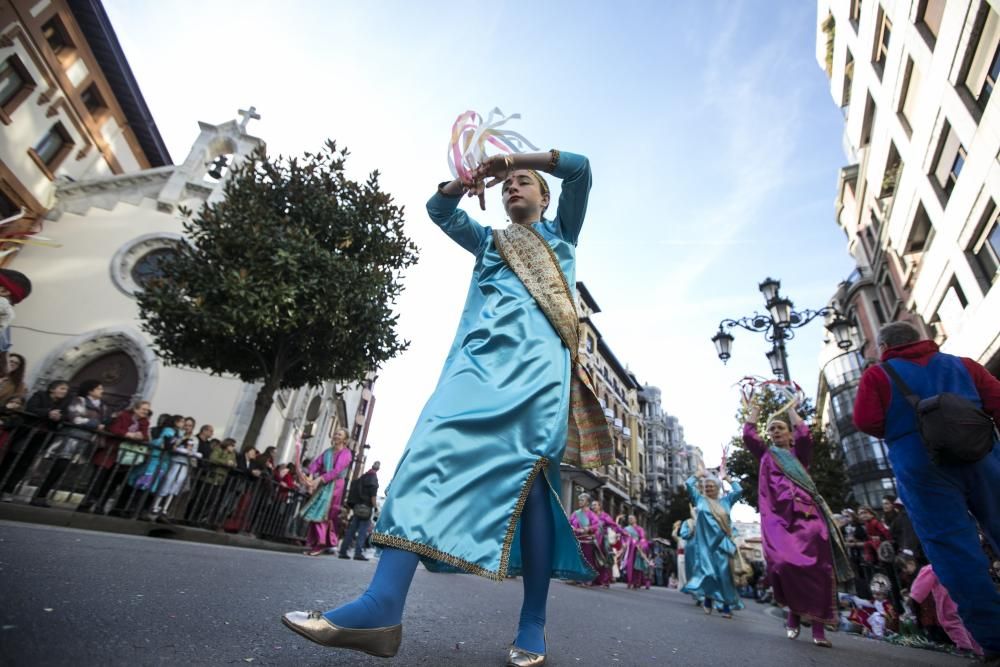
[[953, 429]]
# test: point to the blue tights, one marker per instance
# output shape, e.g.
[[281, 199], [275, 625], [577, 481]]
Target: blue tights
[[382, 604], [537, 529]]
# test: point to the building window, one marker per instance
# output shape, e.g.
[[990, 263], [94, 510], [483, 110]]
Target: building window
[[15, 86], [982, 66], [884, 32], [149, 267], [929, 15], [892, 172], [908, 99], [949, 313], [848, 79], [984, 251], [54, 31], [948, 163], [94, 101], [51, 149], [855, 13], [921, 233], [868, 121], [890, 298]]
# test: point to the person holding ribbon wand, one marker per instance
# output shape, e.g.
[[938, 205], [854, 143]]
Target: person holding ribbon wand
[[475, 489], [804, 550]]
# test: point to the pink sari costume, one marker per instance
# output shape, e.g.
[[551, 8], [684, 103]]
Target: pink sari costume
[[323, 508], [636, 569], [586, 527], [802, 565], [927, 585], [604, 564]]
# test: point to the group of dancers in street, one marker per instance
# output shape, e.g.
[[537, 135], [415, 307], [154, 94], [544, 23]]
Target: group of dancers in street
[[803, 548], [608, 547], [476, 488]]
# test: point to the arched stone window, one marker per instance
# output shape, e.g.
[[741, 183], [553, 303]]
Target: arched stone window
[[140, 260]]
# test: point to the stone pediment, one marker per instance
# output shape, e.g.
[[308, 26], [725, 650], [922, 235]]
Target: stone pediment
[[78, 197]]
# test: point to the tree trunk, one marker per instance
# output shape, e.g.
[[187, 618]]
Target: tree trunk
[[261, 406]]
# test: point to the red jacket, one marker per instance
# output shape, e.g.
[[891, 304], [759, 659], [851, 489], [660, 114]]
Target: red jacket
[[875, 389], [107, 456]]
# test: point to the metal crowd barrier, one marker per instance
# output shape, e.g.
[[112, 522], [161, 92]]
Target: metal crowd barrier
[[54, 464]]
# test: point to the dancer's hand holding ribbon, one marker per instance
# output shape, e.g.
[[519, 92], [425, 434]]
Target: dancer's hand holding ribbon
[[497, 168]]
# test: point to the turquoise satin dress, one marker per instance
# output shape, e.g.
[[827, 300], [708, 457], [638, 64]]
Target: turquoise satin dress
[[496, 422], [710, 575]]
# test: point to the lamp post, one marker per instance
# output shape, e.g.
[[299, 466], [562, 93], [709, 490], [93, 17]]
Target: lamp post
[[779, 325]]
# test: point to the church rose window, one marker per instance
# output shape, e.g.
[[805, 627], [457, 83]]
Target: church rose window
[[149, 267], [141, 260]]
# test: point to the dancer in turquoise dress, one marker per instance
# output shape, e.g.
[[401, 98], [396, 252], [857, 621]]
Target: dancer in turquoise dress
[[711, 577], [476, 488]]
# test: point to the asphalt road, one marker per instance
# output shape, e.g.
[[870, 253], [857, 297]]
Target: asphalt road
[[70, 597]]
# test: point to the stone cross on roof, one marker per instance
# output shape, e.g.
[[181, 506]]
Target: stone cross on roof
[[248, 115]]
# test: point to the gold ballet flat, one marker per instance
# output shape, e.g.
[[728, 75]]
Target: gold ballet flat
[[825, 643], [380, 642], [518, 657], [792, 633]]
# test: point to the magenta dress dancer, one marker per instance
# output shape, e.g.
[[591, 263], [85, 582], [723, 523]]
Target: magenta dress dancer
[[797, 545], [604, 571], [586, 526], [636, 570], [332, 468]]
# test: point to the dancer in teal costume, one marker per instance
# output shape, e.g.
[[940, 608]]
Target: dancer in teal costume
[[711, 577], [486, 449]]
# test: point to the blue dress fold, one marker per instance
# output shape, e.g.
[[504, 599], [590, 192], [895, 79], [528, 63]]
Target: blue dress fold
[[497, 420]]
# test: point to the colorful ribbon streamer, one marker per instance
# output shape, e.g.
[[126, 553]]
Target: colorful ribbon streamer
[[470, 136], [791, 390]]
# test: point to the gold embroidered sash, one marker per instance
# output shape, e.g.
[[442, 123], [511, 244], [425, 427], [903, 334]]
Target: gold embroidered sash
[[529, 256]]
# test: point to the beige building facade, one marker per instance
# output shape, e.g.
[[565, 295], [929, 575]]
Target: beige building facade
[[70, 108], [917, 199]]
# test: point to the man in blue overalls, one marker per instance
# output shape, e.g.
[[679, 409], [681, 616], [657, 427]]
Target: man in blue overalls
[[945, 501]]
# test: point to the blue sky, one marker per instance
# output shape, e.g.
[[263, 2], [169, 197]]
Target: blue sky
[[713, 139]]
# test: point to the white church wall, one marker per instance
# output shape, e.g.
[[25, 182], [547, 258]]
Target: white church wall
[[73, 294]]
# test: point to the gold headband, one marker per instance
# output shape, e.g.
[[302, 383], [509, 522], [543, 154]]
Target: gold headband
[[542, 183]]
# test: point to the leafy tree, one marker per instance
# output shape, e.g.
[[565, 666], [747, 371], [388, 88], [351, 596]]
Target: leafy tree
[[288, 281], [678, 509], [827, 469]]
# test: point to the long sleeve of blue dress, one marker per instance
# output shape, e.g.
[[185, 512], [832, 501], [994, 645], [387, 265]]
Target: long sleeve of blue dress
[[456, 223]]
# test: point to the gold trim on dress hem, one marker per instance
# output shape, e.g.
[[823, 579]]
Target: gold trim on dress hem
[[500, 574]]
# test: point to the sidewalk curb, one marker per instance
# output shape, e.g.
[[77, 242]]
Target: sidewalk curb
[[105, 524]]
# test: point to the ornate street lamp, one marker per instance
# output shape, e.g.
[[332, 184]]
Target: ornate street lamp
[[779, 325], [769, 288], [840, 327], [781, 310], [774, 358], [723, 344]]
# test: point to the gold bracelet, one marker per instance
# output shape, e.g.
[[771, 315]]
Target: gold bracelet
[[553, 160], [508, 161]]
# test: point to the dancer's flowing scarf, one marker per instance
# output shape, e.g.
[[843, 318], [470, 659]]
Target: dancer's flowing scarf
[[739, 569], [317, 508], [529, 256], [795, 471]]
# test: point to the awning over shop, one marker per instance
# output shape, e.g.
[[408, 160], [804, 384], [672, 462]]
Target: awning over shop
[[584, 478]]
